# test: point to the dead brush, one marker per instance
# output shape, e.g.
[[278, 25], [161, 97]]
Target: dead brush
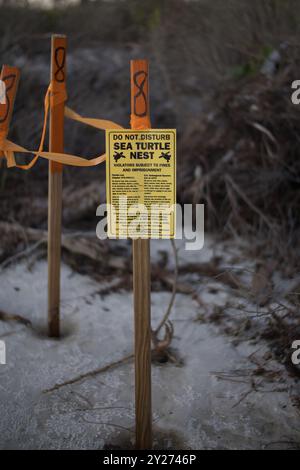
[[248, 157]]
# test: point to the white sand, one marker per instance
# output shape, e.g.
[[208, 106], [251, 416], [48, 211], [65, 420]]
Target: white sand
[[192, 407]]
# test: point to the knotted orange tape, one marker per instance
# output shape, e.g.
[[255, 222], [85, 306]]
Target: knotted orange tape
[[53, 98]]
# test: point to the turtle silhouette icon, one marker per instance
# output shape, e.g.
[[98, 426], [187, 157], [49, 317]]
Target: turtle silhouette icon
[[166, 156], [118, 155]]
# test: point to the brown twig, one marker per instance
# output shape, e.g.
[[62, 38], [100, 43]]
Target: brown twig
[[174, 291], [89, 374]]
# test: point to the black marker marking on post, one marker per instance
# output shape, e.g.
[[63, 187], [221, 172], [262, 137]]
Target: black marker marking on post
[[60, 59], [141, 93]]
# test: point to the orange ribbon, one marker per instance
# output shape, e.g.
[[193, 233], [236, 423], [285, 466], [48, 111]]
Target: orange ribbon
[[53, 97]]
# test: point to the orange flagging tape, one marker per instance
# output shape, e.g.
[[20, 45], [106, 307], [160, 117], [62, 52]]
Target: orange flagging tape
[[8, 148]]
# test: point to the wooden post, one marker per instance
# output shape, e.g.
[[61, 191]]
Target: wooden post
[[56, 144], [141, 280], [10, 76]]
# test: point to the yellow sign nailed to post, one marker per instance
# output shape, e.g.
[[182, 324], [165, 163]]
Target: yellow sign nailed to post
[[141, 183]]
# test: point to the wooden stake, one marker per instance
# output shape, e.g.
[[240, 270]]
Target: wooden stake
[[56, 144], [141, 283], [10, 76]]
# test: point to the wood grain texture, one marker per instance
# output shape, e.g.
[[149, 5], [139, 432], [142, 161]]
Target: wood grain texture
[[141, 290], [56, 144]]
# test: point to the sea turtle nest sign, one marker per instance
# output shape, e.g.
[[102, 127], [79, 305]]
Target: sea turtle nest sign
[[141, 183]]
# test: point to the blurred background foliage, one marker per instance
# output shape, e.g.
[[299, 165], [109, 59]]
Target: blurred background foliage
[[221, 73], [220, 32]]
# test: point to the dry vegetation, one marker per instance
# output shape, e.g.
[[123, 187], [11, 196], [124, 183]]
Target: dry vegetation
[[215, 80], [237, 127], [244, 159]]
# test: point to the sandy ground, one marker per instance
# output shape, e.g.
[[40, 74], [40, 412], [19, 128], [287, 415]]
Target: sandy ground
[[192, 407]]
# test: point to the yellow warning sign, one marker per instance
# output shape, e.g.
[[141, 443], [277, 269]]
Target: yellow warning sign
[[141, 183]]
